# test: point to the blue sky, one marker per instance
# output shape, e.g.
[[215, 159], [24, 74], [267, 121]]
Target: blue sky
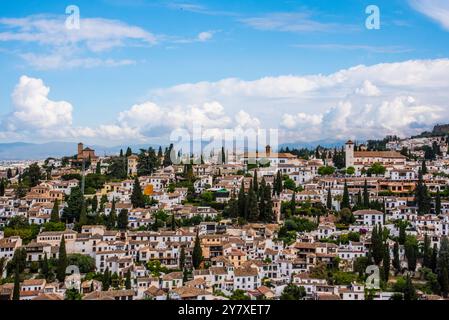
[[129, 62]]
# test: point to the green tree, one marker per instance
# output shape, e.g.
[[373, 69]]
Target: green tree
[[182, 258], [83, 216], [411, 252], [128, 279], [112, 218], [278, 183], [72, 294], [84, 262], [377, 244], [62, 261], [292, 204], [350, 171], [293, 292], [402, 233], [2, 187], [241, 201], [346, 217], [326, 171], [365, 195], [74, 206], [252, 205], [289, 184], [106, 280], [98, 168], [16, 290], [409, 290], [443, 266], [427, 252], [197, 254], [386, 263], [438, 204], [54, 217], [45, 268], [329, 199], [345, 203], [122, 219], [32, 175], [137, 197], [376, 169], [396, 260], [94, 204], [422, 196], [424, 167]]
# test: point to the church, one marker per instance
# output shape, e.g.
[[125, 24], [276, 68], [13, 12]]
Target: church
[[365, 159], [85, 153]]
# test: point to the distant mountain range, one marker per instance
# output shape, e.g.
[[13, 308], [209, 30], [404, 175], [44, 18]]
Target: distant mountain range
[[313, 144], [34, 151]]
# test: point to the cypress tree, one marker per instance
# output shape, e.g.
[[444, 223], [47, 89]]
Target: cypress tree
[[241, 200], [94, 204], [269, 214], [197, 254], [173, 222], [422, 197], [434, 259], [182, 258], [129, 152], [402, 234], [345, 203], [98, 168], [45, 267], [386, 263], [365, 195], [427, 252], [293, 204], [443, 266], [112, 218], [62, 261], [438, 204], [377, 244], [223, 155], [106, 281], [128, 279], [409, 290], [359, 199], [83, 215], [278, 184], [122, 219], [16, 290], [252, 205], [396, 260], [54, 217], [137, 198], [424, 167], [329, 199], [411, 252], [2, 187], [255, 183], [262, 202]]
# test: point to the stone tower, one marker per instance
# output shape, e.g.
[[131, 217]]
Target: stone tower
[[80, 148], [349, 154]]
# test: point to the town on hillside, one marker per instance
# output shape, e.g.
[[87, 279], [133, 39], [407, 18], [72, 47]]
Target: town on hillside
[[363, 221]]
